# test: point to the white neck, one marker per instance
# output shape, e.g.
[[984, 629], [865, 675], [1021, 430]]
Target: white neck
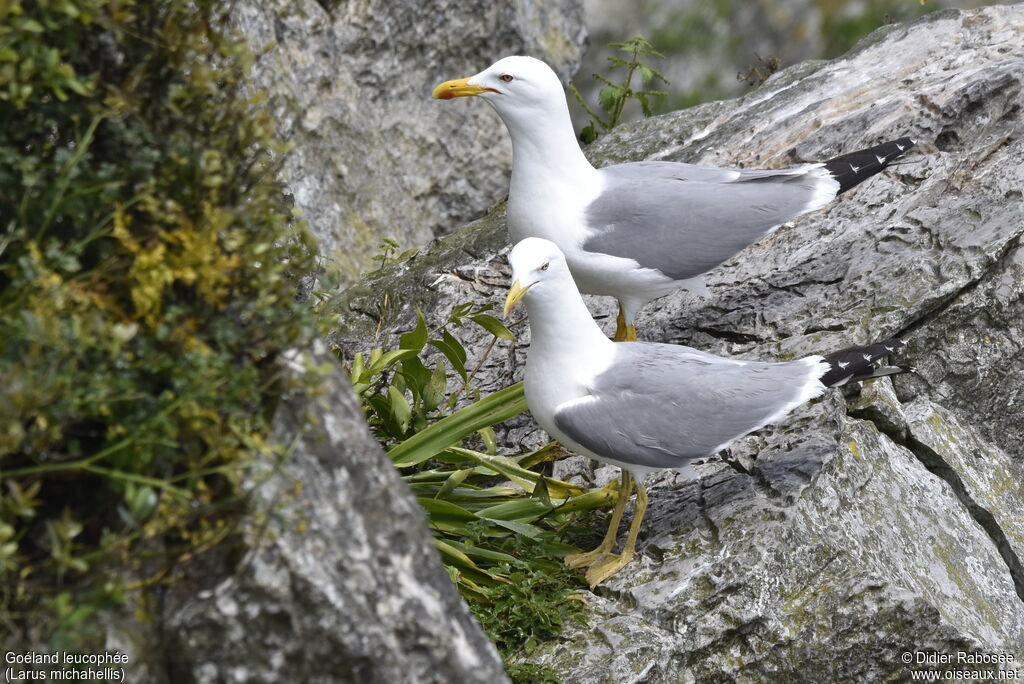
[[544, 146], [561, 328]]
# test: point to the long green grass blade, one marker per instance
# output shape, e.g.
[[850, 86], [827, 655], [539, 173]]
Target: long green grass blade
[[527, 479], [498, 407]]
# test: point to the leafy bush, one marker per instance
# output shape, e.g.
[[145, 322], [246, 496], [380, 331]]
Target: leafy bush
[[148, 264], [498, 525]]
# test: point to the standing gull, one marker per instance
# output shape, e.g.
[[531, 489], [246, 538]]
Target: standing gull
[[644, 406], [641, 230]]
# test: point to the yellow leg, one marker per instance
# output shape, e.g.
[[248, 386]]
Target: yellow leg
[[611, 563], [623, 332], [581, 560]]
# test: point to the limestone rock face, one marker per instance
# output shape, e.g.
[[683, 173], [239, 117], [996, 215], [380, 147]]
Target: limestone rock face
[[374, 155], [337, 579], [868, 525]]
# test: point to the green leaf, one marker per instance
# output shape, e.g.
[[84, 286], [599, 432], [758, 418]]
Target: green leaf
[[400, 408], [493, 326], [453, 481], [383, 362], [454, 343], [497, 407], [433, 392], [446, 516], [527, 479], [490, 440], [456, 355], [644, 104], [381, 406], [417, 376], [521, 528], [418, 337], [540, 491], [460, 312], [609, 96], [484, 554]]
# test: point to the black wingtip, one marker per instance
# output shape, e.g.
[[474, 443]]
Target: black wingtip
[[856, 167], [854, 364]]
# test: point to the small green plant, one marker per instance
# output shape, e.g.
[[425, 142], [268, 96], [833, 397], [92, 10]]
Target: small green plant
[[148, 265], [477, 501], [498, 525], [613, 97], [759, 73], [529, 609]]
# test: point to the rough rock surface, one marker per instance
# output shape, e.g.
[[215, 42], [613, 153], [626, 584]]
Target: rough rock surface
[[867, 526], [337, 580], [374, 155]]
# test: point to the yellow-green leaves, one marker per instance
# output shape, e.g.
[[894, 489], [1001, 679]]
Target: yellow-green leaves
[[407, 388], [148, 263], [33, 63]]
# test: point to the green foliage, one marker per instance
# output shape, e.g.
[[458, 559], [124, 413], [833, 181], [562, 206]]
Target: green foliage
[[409, 402], [148, 265], [529, 609], [528, 673], [613, 97], [498, 524]]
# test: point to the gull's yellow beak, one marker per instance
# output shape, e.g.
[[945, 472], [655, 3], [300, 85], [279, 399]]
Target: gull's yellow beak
[[459, 88], [515, 293]]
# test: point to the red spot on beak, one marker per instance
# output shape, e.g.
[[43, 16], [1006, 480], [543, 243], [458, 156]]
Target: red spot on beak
[[445, 95]]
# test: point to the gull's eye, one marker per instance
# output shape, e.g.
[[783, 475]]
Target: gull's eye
[[507, 78], [545, 266]]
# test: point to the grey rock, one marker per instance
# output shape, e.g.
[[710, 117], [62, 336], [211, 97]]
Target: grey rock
[[836, 556], [866, 526], [375, 156], [336, 579]]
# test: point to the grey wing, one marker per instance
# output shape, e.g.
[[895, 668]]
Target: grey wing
[[660, 405], [687, 224], [660, 170]]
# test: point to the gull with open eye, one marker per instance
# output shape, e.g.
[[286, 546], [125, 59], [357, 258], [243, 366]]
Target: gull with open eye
[[645, 406], [640, 230]]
